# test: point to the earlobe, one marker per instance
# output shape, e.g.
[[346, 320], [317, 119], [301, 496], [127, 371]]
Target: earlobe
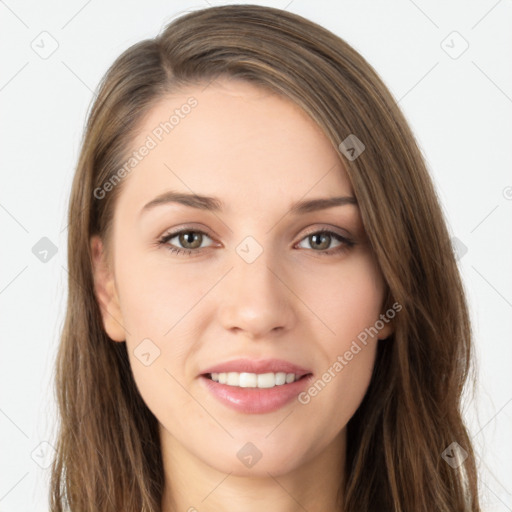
[[387, 330], [105, 291], [386, 322]]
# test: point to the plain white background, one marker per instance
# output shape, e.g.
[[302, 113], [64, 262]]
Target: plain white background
[[458, 101]]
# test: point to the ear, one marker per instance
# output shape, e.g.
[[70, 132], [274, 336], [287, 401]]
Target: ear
[[106, 292], [387, 317], [388, 328]]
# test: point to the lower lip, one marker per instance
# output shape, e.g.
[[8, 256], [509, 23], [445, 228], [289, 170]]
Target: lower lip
[[256, 400]]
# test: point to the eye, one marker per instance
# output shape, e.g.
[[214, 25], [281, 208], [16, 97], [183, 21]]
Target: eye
[[189, 241], [320, 241]]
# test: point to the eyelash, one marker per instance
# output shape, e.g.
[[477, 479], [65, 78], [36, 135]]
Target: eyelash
[[346, 244]]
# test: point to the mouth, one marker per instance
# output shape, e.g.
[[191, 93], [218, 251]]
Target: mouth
[[251, 393], [255, 386]]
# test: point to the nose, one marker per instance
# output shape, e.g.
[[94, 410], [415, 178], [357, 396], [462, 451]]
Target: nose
[[256, 298]]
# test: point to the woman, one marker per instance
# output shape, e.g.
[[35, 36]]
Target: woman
[[264, 308]]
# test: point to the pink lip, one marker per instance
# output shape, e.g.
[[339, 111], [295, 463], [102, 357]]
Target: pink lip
[[256, 400], [255, 366]]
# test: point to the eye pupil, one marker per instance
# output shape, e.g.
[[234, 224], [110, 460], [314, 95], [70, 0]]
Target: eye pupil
[[191, 239], [317, 240]]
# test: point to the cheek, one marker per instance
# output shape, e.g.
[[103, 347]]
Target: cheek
[[350, 306], [335, 395], [347, 298], [164, 315], [157, 295]]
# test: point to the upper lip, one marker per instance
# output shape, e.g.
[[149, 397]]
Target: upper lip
[[257, 366]]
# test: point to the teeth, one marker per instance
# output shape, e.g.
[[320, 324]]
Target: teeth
[[254, 380]]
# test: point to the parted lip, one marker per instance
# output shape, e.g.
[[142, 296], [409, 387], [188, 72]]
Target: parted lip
[[257, 366]]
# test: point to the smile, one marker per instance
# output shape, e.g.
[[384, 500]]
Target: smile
[[254, 380]]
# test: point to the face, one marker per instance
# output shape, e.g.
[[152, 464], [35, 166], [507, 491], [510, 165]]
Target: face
[[258, 282]]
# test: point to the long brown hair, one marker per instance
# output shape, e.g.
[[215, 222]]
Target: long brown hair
[[108, 451]]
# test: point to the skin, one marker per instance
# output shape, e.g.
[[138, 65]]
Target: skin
[[258, 153]]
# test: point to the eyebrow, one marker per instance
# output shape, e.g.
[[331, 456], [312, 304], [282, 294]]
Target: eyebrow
[[214, 204]]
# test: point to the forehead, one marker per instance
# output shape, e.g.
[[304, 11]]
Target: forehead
[[236, 141]]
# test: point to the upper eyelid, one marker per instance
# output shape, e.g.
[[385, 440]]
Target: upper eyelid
[[327, 229]]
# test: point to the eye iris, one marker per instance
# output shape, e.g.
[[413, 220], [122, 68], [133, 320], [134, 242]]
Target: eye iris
[[191, 239], [320, 240]]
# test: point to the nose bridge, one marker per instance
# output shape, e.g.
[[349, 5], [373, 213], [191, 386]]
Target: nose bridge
[[253, 298], [255, 275]]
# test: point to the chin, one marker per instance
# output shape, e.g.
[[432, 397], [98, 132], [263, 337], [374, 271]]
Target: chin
[[257, 457]]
